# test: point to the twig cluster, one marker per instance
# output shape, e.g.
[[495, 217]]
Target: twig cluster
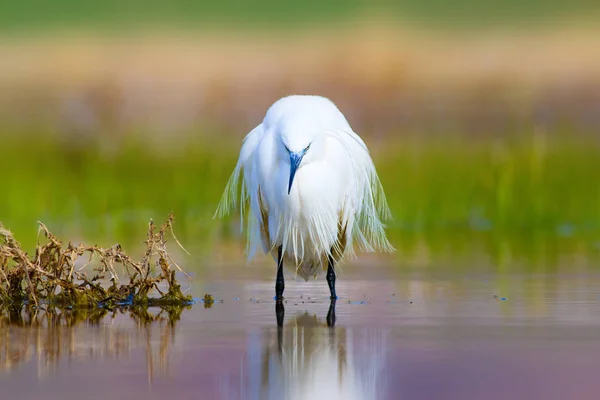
[[55, 277]]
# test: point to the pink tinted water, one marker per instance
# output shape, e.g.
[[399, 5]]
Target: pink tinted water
[[397, 336]]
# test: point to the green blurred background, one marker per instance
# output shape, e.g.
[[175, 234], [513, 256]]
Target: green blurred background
[[482, 118], [40, 15]]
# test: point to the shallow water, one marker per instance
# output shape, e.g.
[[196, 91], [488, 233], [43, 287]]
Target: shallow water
[[396, 336]]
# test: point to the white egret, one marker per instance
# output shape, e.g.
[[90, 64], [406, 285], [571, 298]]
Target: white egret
[[312, 188]]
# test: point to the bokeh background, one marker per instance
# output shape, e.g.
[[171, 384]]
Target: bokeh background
[[482, 117]]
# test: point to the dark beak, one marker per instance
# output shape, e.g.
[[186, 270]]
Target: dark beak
[[295, 160]]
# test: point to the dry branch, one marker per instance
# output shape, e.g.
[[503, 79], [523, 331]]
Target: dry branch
[[50, 276]]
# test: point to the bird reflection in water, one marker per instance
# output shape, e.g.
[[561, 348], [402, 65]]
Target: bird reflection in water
[[315, 359]]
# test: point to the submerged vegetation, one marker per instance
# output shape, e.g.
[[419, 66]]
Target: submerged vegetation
[[53, 277]]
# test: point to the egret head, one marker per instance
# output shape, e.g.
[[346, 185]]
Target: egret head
[[299, 148], [300, 122], [295, 161]]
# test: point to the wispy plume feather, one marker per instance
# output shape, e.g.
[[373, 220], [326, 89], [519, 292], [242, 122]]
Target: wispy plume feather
[[308, 233]]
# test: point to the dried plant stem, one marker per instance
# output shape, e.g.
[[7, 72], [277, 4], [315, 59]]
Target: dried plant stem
[[50, 275]]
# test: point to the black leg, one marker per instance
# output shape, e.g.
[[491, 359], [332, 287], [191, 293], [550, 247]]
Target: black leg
[[279, 283], [331, 314], [331, 279]]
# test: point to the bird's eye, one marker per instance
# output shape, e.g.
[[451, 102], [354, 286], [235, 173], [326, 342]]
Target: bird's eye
[[307, 147], [288, 150]]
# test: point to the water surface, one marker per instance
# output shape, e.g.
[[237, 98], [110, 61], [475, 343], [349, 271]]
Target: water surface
[[396, 336]]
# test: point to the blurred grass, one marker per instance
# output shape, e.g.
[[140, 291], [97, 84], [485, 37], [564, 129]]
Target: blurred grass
[[32, 15], [531, 196], [528, 200]]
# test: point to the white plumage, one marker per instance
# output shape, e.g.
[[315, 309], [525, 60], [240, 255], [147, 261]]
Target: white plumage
[[321, 209]]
